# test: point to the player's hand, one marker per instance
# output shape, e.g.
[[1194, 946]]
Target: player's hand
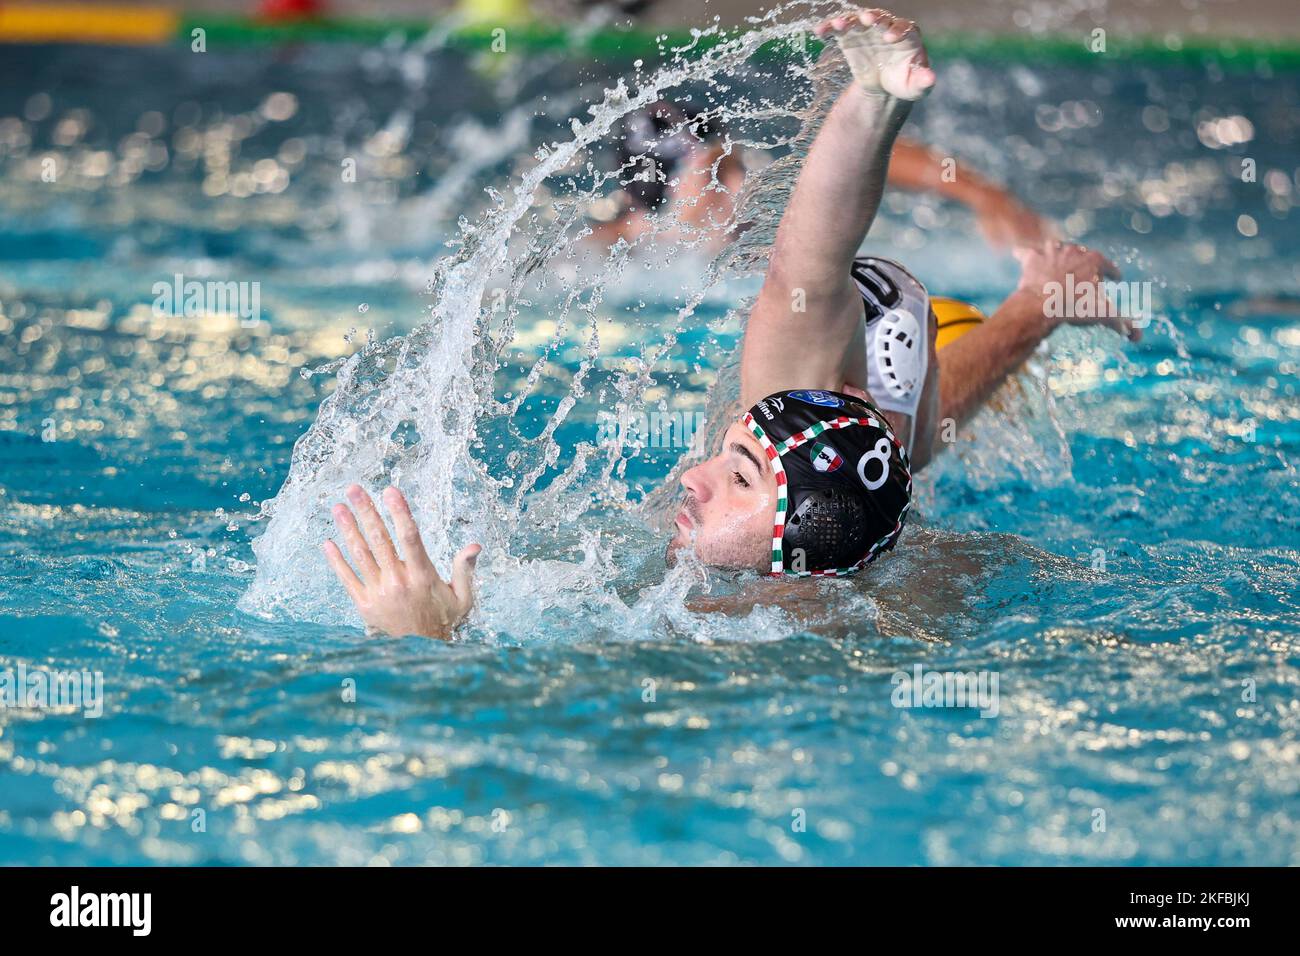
[[1059, 274], [885, 52], [396, 596]]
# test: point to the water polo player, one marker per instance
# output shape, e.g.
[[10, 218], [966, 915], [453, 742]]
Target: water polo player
[[842, 394]]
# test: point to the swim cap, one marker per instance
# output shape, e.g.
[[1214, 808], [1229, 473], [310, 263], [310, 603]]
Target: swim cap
[[648, 142], [843, 481]]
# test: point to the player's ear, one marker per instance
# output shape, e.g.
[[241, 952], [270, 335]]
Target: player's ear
[[856, 392]]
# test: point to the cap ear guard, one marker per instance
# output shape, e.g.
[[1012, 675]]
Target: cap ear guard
[[829, 523], [899, 361], [843, 481]]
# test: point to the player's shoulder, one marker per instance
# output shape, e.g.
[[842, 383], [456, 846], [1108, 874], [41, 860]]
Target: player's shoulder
[[886, 284]]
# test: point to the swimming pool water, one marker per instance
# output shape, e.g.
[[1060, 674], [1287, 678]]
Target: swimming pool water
[[1117, 540]]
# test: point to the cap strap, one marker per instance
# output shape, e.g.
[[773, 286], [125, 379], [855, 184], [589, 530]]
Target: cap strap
[[816, 428], [774, 459]]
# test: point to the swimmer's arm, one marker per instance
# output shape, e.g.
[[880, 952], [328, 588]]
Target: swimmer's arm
[[971, 368], [1003, 219], [395, 596], [806, 326], [914, 166], [808, 317], [837, 194], [809, 314]]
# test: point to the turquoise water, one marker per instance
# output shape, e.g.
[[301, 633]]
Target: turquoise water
[[1116, 540]]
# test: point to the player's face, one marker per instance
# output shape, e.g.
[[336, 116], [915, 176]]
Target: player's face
[[729, 507]]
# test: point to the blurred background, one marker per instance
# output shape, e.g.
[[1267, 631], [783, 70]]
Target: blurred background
[[345, 160], [1270, 20]]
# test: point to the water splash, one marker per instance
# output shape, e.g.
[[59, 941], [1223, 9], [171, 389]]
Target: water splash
[[440, 411], [485, 413]]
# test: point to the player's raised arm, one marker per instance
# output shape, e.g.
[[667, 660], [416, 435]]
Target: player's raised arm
[[809, 313]]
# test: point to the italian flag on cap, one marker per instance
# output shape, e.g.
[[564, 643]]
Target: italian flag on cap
[[825, 458]]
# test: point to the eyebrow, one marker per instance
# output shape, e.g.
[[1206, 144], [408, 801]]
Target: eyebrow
[[742, 450]]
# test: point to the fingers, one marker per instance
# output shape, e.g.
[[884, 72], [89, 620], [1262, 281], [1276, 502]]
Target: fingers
[[1099, 269], [1102, 267], [1111, 319], [874, 15], [834, 24], [1080, 256], [357, 547], [1124, 326], [408, 533], [1098, 265], [392, 596], [462, 575], [381, 544], [893, 27], [343, 571]]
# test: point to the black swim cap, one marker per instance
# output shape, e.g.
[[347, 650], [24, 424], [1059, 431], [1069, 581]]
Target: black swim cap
[[648, 142], [843, 481]]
